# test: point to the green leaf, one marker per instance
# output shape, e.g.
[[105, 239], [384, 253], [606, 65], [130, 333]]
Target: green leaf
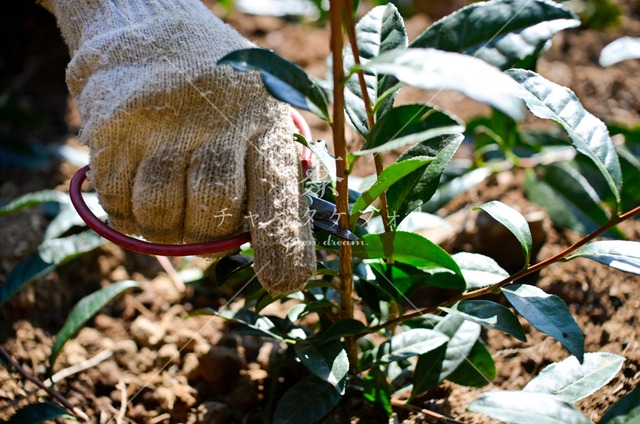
[[624, 411], [478, 370], [377, 389], [285, 80], [405, 345], [417, 188], [68, 217], [39, 412], [342, 328], [84, 310], [618, 254], [549, 314], [527, 408], [488, 314], [571, 381], [380, 30], [500, 32], [434, 367], [50, 255], [257, 325], [588, 134], [428, 372], [409, 124], [322, 154], [630, 164], [327, 361], [34, 199], [568, 197], [409, 248], [307, 401], [515, 222], [478, 270], [623, 48], [386, 179], [462, 336], [431, 69]]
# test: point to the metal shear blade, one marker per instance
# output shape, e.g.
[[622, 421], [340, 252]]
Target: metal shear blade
[[325, 217]]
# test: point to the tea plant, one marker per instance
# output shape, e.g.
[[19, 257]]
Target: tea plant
[[487, 52], [426, 346]]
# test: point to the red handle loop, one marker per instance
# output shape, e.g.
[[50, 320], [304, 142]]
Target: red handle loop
[[141, 246]]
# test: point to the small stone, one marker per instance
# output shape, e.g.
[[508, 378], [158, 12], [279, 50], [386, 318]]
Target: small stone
[[168, 354], [124, 351], [143, 331], [74, 353]]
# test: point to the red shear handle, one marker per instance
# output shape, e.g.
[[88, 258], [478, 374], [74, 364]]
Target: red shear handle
[[141, 246]]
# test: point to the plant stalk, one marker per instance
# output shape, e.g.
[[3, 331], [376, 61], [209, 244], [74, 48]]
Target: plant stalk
[[518, 275], [377, 158], [342, 183]]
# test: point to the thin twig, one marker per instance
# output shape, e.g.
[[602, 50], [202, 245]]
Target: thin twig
[[518, 275], [168, 267], [377, 157], [51, 392], [342, 183], [123, 401], [84, 365]]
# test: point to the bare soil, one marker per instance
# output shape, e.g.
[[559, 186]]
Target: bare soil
[[158, 367]]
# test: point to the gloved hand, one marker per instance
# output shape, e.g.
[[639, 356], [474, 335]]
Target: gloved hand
[[183, 150]]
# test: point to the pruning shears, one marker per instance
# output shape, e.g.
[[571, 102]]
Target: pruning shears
[[323, 213]]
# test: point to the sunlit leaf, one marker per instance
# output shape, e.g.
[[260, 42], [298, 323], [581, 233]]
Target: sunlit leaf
[[432, 368], [50, 255], [285, 80], [500, 32], [408, 344], [391, 174], [409, 248], [417, 188], [619, 254], [254, 324], [571, 381], [39, 412], [623, 48], [431, 69], [478, 270], [327, 361], [409, 124], [68, 217], [515, 222], [33, 199], [307, 401], [321, 154], [549, 314], [488, 314], [588, 134], [527, 408], [84, 310], [381, 29]]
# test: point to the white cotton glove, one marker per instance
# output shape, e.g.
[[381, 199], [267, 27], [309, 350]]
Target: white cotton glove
[[183, 150]]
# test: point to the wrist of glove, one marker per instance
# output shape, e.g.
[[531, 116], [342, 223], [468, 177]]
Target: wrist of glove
[[183, 150]]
